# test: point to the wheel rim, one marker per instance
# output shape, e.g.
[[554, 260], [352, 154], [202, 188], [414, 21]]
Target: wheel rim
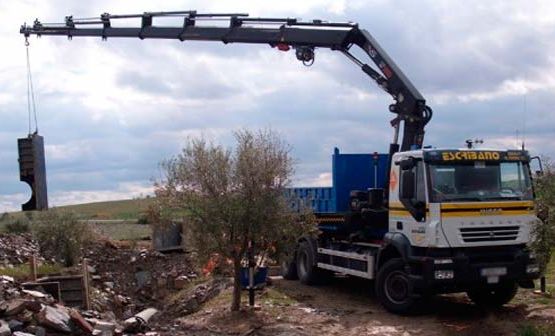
[[397, 287]]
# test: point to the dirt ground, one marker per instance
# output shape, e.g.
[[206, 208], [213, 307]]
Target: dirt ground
[[127, 278], [348, 307]]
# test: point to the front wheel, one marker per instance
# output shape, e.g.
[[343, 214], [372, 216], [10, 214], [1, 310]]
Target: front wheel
[[493, 296], [306, 269], [393, 287]]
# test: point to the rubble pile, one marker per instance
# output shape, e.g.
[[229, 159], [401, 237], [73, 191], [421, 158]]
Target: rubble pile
[[127, 280], [127, 286], [16, 249], [34, 313], [193, 299]]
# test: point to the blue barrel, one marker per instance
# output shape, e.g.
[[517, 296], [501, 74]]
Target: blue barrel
[[260, 275]]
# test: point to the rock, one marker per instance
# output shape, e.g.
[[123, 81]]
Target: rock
[[180, 282], [21, 333], [55, 318], [142, 278], [109, 316], [4, 328], [162, 282], [103, 328], [36, 294], [200, 294], [15, 325], [109, 284], [13, 307], [6, 279], [36, 330], [80, 322], [548, 313]]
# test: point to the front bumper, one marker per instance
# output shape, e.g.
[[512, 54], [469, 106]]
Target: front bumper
[[463, 269]]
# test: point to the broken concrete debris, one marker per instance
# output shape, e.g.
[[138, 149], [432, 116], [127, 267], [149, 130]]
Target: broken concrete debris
[[55, 318], [139, 322], [125, 284], [5, 328], [35, 313], [16, 249]]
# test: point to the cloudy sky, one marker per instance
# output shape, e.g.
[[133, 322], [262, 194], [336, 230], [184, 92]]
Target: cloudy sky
[[111, 111]]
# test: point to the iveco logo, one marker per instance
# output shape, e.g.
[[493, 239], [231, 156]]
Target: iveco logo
[[490, 211]]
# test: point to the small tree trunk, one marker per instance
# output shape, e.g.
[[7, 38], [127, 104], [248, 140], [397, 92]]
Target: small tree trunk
[[236, 301]]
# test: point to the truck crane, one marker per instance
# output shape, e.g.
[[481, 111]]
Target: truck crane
[[416, 220]]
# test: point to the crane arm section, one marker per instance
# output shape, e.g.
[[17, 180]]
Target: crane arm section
[[283, 33]]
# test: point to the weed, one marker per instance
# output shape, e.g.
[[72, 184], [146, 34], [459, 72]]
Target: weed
[[61, 235], [23, 271], [17, 225], [536, 330]]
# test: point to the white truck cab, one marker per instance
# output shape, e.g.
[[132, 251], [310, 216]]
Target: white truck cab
[[462, 197]]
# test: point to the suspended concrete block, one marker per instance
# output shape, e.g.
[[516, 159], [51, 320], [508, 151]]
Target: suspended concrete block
[[32, 170]]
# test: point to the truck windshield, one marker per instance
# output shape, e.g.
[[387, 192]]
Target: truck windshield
[[479, 181]]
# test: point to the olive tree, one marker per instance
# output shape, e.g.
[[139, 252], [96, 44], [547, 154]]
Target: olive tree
[[543, 231], [231, 197]]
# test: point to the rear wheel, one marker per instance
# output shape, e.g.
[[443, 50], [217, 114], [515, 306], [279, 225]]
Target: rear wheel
[[493, 296], [289, 270], [393, 287]]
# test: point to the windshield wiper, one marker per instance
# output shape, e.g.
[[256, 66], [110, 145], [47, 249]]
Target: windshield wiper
[[469, 199], [503, 198]]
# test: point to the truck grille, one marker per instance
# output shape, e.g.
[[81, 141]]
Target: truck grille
[[491, 233]]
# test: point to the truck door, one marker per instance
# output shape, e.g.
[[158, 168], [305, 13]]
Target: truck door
[[409, 206]]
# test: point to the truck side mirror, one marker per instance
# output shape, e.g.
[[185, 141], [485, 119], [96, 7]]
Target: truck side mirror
[[407, 164], [407, 185], [539, 172]]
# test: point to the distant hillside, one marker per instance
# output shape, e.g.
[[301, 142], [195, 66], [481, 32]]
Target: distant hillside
[[124, 209]]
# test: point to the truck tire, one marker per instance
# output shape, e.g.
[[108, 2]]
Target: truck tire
[[493, 296], [289, 270], [393, 287], [306, 270]]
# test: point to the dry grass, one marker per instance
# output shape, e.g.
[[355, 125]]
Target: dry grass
[[23, 271], [124, 209]]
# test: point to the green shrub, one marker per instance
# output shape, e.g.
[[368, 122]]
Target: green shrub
[[18, 225], [143, 219], [61, 236], [544, 230]]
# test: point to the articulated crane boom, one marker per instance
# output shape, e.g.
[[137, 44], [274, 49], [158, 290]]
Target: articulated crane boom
[[282, 33]]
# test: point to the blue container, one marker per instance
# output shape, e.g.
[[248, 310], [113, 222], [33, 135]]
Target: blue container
[[320, 199], [349, 172], [260, 275], [356, 172]]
